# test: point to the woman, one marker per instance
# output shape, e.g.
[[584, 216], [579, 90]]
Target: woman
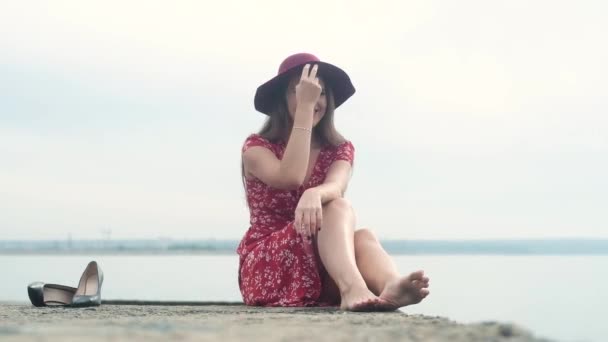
[[302, 248]]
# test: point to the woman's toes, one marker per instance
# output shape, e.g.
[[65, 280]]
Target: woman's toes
[[417, 275], [418, 283]]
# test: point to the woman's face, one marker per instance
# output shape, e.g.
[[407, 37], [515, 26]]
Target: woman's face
[[292, 103]]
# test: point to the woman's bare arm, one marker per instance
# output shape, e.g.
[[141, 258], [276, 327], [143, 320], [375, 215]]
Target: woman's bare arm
[[336, 181], [289, 172]]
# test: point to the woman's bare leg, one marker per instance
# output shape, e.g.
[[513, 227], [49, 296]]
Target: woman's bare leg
[[381, 275], [335, 242]]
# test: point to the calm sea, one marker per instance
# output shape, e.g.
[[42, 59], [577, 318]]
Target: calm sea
[[558, 297]]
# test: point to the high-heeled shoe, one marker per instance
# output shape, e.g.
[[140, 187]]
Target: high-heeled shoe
[[42, 294], [88, 292]]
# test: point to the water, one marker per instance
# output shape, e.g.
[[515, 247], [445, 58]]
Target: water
[[558, 297], [410, 247]]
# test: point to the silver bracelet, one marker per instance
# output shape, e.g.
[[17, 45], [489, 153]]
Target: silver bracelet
[[303, 128]]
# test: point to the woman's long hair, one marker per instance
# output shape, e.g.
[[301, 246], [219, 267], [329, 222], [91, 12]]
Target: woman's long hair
[[278, 125]]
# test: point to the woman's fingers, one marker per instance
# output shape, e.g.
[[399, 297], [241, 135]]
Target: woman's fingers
[[310, 74], [308, 219], [308, 89], [306, 224], [298, 222], [319, 219], [313, 72], [316, 220], [313, 222], [305, 72]]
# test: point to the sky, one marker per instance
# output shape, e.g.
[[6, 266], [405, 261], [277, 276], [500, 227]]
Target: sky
[[471, 120]]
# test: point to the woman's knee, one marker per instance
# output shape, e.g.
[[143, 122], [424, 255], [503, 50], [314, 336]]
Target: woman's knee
[[363, 237]]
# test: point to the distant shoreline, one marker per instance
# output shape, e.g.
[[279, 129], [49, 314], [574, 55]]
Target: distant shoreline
[[208, 253], [228, 247], [111, 252]]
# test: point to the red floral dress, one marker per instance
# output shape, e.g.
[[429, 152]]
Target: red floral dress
[[276, 266]]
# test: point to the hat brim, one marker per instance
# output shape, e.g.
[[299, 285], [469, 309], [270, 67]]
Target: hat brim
[[267, 95]]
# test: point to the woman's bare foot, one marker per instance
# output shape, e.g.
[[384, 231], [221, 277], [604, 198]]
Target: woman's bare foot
[[359, 299], [404, 291]]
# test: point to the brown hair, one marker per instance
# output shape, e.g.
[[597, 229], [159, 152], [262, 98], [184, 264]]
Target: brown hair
[[279, 122]]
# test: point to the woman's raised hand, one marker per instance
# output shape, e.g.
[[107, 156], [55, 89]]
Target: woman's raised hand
[[308, 89]]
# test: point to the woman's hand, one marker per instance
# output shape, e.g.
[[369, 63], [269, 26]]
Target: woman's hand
[[308, 89], [309, 213]]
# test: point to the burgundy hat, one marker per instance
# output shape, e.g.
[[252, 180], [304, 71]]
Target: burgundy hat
[[268, 93]]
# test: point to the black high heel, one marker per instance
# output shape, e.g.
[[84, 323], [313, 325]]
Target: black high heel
[[42, 294], [88, 292]]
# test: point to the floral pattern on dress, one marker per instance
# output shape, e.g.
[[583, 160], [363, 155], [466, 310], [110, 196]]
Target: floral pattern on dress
[[277, 267]]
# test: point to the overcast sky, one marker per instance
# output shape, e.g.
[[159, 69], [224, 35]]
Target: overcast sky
[[472, 119]]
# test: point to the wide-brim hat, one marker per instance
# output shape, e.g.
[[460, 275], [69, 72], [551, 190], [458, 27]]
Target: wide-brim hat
[[267, 95]]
